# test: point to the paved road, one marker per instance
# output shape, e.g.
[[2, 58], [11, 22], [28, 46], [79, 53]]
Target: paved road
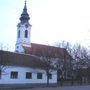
[[62, 88]]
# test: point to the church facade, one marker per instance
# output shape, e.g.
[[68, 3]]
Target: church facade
[[21, 67], [25, 65]]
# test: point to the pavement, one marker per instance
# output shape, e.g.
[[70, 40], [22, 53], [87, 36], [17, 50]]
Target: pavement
[[66, 86], [61, 88]]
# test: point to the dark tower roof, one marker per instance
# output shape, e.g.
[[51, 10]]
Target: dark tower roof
[[24, 16]]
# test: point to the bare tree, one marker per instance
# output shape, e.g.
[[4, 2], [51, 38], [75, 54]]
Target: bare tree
[[3, 62], [78, 60], [65, 55], [80, 55], [46, 54]]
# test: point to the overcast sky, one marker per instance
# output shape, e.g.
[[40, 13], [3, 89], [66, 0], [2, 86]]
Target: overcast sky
[[52, 21]]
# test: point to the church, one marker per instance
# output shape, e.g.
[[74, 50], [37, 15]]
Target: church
[[25, 65]]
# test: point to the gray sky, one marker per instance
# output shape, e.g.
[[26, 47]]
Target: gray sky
[[52, 21]]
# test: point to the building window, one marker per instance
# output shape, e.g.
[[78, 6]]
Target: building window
[[26, 33], [19, 34], [28, 75], [39, 75], [14, 75], [50, 76]]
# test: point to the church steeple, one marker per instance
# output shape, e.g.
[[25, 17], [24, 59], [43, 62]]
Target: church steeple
[[23, 31], [24, 16]]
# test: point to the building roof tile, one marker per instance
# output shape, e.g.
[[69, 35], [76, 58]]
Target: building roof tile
[[37, 49], [23, 60]]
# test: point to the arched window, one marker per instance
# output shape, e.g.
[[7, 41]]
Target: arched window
[[19, 34], [26, 33]]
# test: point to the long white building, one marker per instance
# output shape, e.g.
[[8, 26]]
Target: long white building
[[25, 65], [23, 69]]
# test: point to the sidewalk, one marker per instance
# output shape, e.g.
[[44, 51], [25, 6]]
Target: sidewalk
[[62, 88], [33, 86]]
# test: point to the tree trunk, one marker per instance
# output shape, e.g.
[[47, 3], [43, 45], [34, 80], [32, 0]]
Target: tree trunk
[[0, 74], [47, 78]]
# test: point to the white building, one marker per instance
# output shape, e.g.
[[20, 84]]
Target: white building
[[24, 66], [20, 67], [23, 69]]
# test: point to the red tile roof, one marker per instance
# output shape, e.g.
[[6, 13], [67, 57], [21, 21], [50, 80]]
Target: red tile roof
[[23, 60], [38, 49]]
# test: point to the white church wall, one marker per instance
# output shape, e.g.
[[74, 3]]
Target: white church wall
[[22, 76], [19, 48], [22, 38]]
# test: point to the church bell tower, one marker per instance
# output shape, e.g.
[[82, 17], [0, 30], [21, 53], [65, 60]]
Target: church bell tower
[[23, 31]]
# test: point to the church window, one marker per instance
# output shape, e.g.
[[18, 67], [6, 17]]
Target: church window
[[19, 34], [14, 75], [28, 75], [26, 33], [39, 75]]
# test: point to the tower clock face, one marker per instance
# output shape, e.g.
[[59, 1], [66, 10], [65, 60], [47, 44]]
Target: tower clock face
[[26, 25]]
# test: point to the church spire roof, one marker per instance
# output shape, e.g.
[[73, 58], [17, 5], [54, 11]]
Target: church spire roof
[[25, 7], [24, 16]]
